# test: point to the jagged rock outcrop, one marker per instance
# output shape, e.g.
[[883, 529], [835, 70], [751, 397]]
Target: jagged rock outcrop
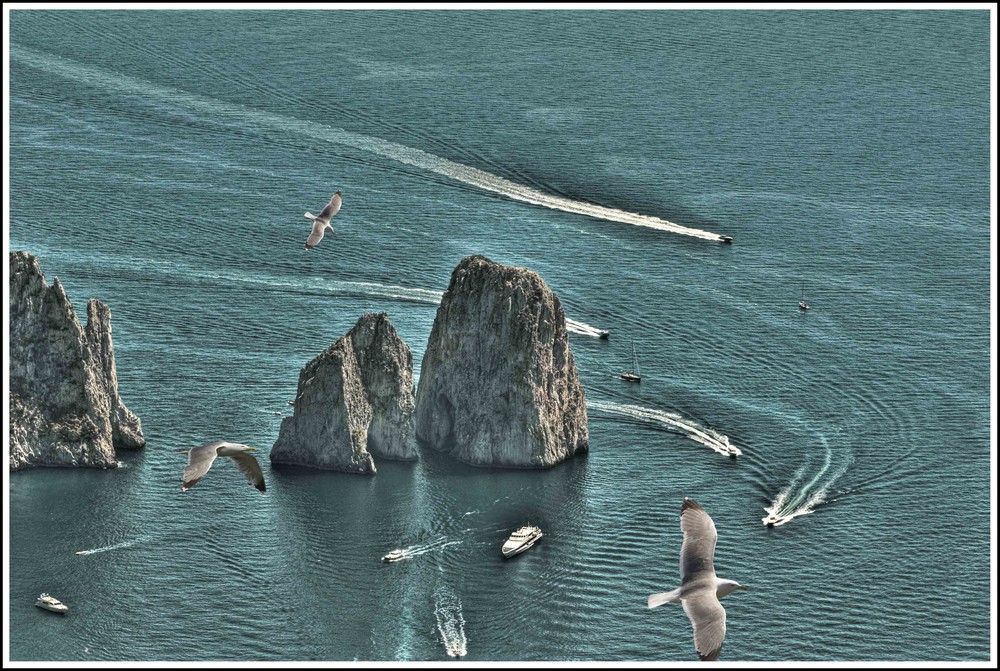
[[498, 385], [65, 409], [354, 401]]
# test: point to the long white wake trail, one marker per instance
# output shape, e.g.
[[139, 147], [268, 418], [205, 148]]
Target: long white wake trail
[[109, 548], [574, 326], [450, 623], [694, 431], [410, 156]]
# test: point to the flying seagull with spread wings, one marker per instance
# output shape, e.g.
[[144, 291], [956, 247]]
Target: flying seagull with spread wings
[[700, 588], [200, 460], [322, 222]]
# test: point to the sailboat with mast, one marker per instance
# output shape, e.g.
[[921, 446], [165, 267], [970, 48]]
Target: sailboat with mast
[[802, 300], [632, 375]]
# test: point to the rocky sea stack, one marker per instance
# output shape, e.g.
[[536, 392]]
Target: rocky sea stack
[[498, 386], [64, 404], [354, 402]]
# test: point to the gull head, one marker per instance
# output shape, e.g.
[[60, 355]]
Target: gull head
[[725, 587]]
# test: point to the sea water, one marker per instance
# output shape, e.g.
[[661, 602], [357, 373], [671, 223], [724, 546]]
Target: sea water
[[162, 162]]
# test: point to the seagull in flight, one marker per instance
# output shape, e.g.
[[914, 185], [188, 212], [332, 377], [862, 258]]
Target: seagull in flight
[[200, 460], [700, 588], [322, 222]]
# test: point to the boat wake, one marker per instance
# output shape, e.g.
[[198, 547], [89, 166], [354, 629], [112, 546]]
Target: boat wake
[[450, 623], [583, 329], [430, 546], [225, 112], [675, 423], [109, 548], [801, 497]]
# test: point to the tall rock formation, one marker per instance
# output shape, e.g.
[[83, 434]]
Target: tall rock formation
[[498, 386], [354, 401], [65, 409]]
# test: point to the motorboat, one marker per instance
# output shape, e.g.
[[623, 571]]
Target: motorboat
[[632, 375], [51, 603], [521, 540], [395, 555], [604, 335], [725, 239], [769, 520]]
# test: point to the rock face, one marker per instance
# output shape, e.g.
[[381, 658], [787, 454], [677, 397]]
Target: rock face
[[498, 386], [354, 401], [64, 404]]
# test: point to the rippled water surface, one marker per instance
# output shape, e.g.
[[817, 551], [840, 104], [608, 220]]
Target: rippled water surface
[[161, 161]]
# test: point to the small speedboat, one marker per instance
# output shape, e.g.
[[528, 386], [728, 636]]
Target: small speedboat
[[604, 335], [725, 239], [769, 520], [521, 540], [395, 555], [51, 603]]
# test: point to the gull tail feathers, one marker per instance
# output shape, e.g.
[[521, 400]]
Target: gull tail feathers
[[310, 215], [672, 596]]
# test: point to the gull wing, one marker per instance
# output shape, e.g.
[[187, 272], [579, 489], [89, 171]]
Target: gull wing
[[250, 469], [317, 233], [708, 618], [332, 208], [699, 543], [199, 461]]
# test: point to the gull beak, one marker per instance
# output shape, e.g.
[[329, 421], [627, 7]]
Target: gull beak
[[250, 449], [744, 587]]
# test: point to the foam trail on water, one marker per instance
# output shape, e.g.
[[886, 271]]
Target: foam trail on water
[[688, 427], [408, 155], [450, 623], [795, 500], [574, 326], [418, 549], [109, 548]]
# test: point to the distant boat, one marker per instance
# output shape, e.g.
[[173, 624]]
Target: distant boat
[[521, 540], [802, 302], [51, 603], [632, 375], [395, 555], [769, 520], [725, 239], [604, 335]]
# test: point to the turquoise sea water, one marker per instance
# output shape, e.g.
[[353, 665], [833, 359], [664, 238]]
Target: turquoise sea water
[[161, 161]]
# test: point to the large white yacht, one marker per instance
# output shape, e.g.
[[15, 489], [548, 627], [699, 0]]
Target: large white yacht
[[521, 540], [51, 603]]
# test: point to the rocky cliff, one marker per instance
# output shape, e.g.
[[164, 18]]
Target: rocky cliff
[[498, 385], [65, 409], [354, 401]]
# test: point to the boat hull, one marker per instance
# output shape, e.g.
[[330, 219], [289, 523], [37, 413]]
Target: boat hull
[[510, 551], [61, 608]]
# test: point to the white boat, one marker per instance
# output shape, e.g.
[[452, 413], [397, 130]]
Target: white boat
[[395, 555], [51, 603], [769, 520], [802, 301], [632, 375], [521, 540]]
